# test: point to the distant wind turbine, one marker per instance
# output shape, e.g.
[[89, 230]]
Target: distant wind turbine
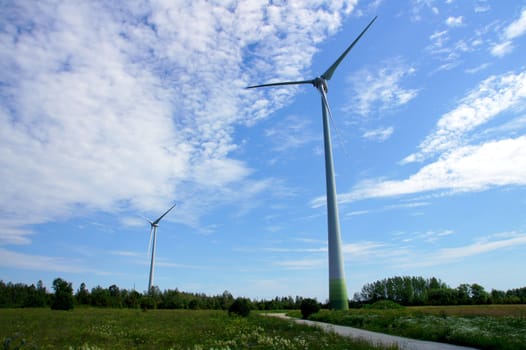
[[153, 235], [337, 287]]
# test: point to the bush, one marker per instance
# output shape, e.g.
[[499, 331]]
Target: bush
[[147, 303], [241, 307], [309, 307], [383, 305]]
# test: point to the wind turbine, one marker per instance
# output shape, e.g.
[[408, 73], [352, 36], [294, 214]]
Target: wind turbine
[[337, 288], [153, 235]]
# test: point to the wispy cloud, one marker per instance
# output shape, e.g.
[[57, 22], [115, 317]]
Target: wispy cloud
[[125, 253], [380, 89], [470, 168], [109, 108], [403, 255], [365, 252], [411, 205], [478, 68], [482, 6], [419, 6], [291, 133], [16, 260], [512, 240], [379, 135], [454, 21], [514, 30], [402, 251], [302, 264], [449, 52], [493, 96]]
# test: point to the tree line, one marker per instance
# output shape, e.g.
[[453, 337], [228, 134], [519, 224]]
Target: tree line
[[408, 291], [20, 295], [417, 291]]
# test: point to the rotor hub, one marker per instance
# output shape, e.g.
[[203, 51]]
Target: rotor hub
[[319, 82]]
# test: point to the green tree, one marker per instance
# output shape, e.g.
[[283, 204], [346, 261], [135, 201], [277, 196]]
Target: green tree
[[100, 297], [115, 298], [63, 298], [498, 296], [478, 294], [463, 294], [442, 296], [226, 300], [131, 299], [83, 296], [35, 296]]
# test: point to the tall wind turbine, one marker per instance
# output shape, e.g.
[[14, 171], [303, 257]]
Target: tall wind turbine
[[337, 287], [153, 236]]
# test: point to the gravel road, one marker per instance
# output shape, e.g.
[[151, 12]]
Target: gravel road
[[374, 337]]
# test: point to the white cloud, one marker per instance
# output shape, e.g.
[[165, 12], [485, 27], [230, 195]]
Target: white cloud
[[477, 69], [482, 6], [380, 89], [469, 168], [358, 212], [433, 236], [418, 6], [410, 256], [302, 264], [108, 108], [493, 96], [482, 246], [379, 135], [454, 21], [461, 167], [438, 39], [291, 133], [450, 52], [514, 30], [24, 261], [363, 250], [502, 49]]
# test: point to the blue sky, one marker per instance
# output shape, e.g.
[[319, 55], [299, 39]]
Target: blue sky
[[113, 112]]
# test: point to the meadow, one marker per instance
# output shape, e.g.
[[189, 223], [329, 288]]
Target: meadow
[[98, 328], [479, 326]]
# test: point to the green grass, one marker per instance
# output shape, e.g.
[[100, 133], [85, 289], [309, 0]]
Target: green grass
[[482, 327], [94, 329]]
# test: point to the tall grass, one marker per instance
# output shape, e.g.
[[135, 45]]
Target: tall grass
[[477, 327], [95, 329]]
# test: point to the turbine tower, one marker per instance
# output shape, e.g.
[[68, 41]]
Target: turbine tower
[[337, 287], [153, 236]]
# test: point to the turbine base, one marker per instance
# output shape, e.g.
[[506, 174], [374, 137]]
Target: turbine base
[[338, 295]]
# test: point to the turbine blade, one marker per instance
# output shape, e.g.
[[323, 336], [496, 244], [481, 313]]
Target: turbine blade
[[150, 242], [282, 83], [333, 123], [328, 74], [145, 218], [162, 216], [326, 103]]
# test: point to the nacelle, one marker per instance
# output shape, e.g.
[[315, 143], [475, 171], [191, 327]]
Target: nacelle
[[320, 82]]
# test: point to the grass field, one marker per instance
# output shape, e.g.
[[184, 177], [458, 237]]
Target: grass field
[[480, 326], [93, 329]]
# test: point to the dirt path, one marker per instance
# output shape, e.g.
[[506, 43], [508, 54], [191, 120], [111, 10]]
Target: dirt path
[[374, 337]]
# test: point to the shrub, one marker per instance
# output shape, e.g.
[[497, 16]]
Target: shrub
[[147, 303], [384, 305], [241, 307], [309, 307]]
